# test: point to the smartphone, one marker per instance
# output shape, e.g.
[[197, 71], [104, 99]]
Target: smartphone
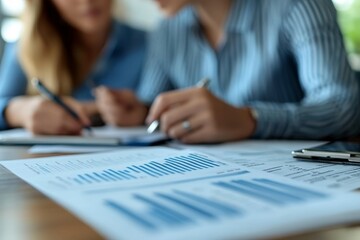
[[332, 152]]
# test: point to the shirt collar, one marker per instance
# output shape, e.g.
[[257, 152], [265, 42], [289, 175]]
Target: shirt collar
[[241, 16]]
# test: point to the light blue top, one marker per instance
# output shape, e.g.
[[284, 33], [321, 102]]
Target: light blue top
[[283, 58], [119, 66]]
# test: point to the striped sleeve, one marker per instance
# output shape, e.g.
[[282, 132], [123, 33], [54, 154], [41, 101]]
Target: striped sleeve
[[330, 107], [155, 79]]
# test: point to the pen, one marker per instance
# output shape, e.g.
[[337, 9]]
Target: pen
[[51, 96], [154, 126]]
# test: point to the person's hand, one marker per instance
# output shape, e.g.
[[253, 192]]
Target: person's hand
[[120, 107], [196, 116], [42, 116]]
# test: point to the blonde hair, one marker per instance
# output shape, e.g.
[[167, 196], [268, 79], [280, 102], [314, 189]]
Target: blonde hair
[[47, 48]]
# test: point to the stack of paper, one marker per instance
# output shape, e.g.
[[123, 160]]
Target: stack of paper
[[160, 193]]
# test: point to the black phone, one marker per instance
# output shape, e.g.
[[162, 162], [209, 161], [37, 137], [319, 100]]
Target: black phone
[[333, 152]]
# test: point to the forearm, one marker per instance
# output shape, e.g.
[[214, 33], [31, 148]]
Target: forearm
[[327, 119], [15, 110]]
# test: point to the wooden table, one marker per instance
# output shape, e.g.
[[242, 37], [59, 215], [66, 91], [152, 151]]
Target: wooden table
[[27, 214]]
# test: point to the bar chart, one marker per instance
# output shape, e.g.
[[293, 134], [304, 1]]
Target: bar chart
[[178, 207], [270, 191], [160, 215], [153, 169]]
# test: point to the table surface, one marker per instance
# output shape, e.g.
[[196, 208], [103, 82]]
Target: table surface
[[25, 213]]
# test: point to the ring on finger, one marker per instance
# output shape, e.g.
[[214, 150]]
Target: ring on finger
[[186, 126]]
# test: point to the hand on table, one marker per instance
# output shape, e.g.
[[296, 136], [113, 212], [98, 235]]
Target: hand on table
[[196, 116], [42, 116], [120, 107]]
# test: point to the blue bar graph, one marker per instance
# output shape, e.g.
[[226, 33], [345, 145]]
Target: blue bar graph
[[154, 204], [170, 166], [189, 206], [216, 205], [173, 209], [292, 189], [249, 192], [270, 191], [284, 196], [131, 214]]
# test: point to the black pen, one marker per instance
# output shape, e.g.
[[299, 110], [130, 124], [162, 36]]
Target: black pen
[[155, 125], [52, 97]]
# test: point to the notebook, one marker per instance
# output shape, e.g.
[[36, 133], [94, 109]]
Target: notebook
[[101, 136]]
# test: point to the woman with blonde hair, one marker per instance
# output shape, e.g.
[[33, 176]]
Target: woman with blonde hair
[[72, 46]]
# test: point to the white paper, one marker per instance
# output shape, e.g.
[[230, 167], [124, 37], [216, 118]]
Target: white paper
[[105, 131], [100, 136], [45, 149], [275, 157], [116, 132], [159, 193]]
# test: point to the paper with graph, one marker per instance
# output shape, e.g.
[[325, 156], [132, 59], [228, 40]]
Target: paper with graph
[[160, 193], [274, 156]]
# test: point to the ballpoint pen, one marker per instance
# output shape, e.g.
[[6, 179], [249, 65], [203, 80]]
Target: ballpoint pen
[[52, 97], [155, 125]]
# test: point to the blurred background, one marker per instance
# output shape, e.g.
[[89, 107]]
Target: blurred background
[[144, 14]]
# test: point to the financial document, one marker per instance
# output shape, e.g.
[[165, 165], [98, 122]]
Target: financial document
[[162, 193], [275, 157]]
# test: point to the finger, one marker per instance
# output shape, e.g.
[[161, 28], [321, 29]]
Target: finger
[[39, 129], [179, 132], [105, 96], [79, 110], [165, 101], [116, 97], [125, 118], [84, 117], [118, 115], [91, 108], [196, 137], [128, 99], [179, 113], [82, 114], [109, 110], [101, 90], [69, 126], [113, 116], [65, 123]]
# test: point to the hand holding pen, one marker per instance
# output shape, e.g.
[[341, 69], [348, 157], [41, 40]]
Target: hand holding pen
[[195, 115], [72, 116], [120, 107], [155, 125]]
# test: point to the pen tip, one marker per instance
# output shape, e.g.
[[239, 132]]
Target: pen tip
[[89, 129], [153, 127], [203, 83]]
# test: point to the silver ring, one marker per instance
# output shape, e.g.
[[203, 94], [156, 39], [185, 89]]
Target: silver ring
[[186, 125]]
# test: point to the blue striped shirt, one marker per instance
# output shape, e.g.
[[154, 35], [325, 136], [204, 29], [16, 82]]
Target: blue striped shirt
[[283, 58]]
